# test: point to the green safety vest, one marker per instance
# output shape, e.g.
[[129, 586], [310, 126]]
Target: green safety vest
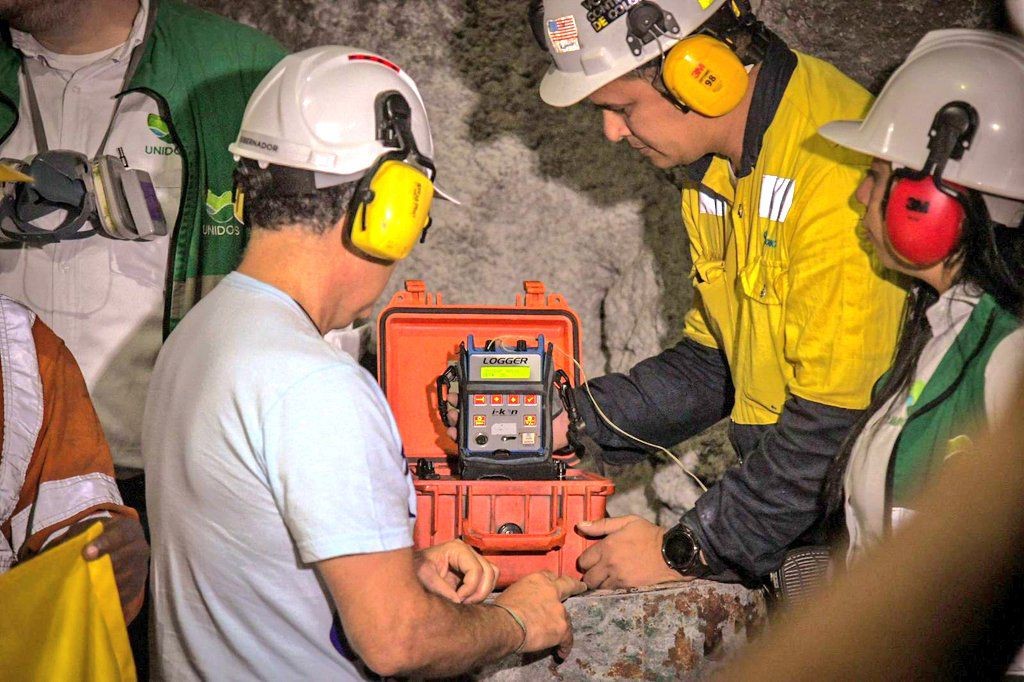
[[201, 69], [951, 408]]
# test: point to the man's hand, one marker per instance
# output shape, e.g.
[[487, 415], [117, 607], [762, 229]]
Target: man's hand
[[457, 573], [629, 555], [123, 540], [537, 600]]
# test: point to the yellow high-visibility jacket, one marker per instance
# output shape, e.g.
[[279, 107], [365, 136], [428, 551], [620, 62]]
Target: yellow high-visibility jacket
[[786, 283]]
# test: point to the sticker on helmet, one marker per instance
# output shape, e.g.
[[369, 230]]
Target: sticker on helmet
[[563, 34], [601, 13]]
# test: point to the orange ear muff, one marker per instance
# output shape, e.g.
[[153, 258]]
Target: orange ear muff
[[705, 75], [923, 224], [392, 210]]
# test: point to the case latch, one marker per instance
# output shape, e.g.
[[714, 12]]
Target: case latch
[[535, 292], [415, 293]]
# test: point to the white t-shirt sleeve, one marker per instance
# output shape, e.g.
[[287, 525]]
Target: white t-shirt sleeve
[[333, 461], [1003, 375]]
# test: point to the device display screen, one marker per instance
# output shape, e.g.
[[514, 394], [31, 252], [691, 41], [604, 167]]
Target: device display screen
[[493, 372]]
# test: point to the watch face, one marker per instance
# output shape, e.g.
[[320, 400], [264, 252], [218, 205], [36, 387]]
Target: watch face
[[679, 548]]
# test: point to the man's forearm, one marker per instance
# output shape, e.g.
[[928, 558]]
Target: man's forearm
[[749, 519], [664, 400], [398, 628], [475, 635]]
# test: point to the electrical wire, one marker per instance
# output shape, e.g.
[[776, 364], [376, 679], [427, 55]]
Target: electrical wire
[[606, 419]]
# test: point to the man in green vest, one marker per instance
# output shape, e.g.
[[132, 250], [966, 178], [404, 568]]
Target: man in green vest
[[160, 87]]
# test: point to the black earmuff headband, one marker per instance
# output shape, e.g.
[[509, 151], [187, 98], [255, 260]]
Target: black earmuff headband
[[950, 135], [394, 129]]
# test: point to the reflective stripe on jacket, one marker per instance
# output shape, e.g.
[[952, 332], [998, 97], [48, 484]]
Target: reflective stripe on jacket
[[55, 466], [23, 411]]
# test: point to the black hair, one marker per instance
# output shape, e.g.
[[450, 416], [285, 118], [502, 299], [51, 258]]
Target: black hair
[[991, 261], [270, 206]]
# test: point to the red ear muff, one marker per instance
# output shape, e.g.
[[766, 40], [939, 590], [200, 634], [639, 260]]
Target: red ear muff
[[922, 222]]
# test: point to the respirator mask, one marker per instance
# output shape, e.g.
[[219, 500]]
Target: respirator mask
[[101, 195]]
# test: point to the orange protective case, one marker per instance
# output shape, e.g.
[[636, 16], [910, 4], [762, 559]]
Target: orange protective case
[[418, 335]]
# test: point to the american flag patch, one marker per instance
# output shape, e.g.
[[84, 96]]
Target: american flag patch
[[563, 34]]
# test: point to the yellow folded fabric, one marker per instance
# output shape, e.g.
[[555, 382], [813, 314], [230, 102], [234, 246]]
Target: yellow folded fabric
[[61, 618]]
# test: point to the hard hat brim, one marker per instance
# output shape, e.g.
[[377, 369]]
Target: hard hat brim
[[846, 134], [853, 136], [560, 89]]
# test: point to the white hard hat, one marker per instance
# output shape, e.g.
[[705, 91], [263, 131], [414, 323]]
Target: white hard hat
[[591, 43], [316, 110], [980, 68]]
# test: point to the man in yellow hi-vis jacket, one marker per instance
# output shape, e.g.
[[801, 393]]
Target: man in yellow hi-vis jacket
[[791, 323]]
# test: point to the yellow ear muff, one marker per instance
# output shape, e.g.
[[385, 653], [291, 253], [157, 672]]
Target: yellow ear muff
[[706, 75], [389, 224]]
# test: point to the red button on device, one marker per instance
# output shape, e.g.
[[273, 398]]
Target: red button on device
[[479, 400], [513, 400], [530, 400], [496, 400]]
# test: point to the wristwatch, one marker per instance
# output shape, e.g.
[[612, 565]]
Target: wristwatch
[[681, 551]]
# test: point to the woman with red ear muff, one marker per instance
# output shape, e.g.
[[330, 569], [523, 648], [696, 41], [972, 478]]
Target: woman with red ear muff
[[923, 213], [944, 203]]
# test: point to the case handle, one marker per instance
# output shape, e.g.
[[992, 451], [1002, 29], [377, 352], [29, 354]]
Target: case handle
[[519, 542], [444, 386]]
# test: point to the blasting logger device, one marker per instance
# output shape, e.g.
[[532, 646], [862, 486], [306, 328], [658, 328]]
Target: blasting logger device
[[505, 410]]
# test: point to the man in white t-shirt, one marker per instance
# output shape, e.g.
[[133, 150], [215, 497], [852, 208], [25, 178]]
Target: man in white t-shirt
[[279, 495]]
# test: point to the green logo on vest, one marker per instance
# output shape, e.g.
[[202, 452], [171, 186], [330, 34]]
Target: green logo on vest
[[220, 209], [158, 127], [915, 393]]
